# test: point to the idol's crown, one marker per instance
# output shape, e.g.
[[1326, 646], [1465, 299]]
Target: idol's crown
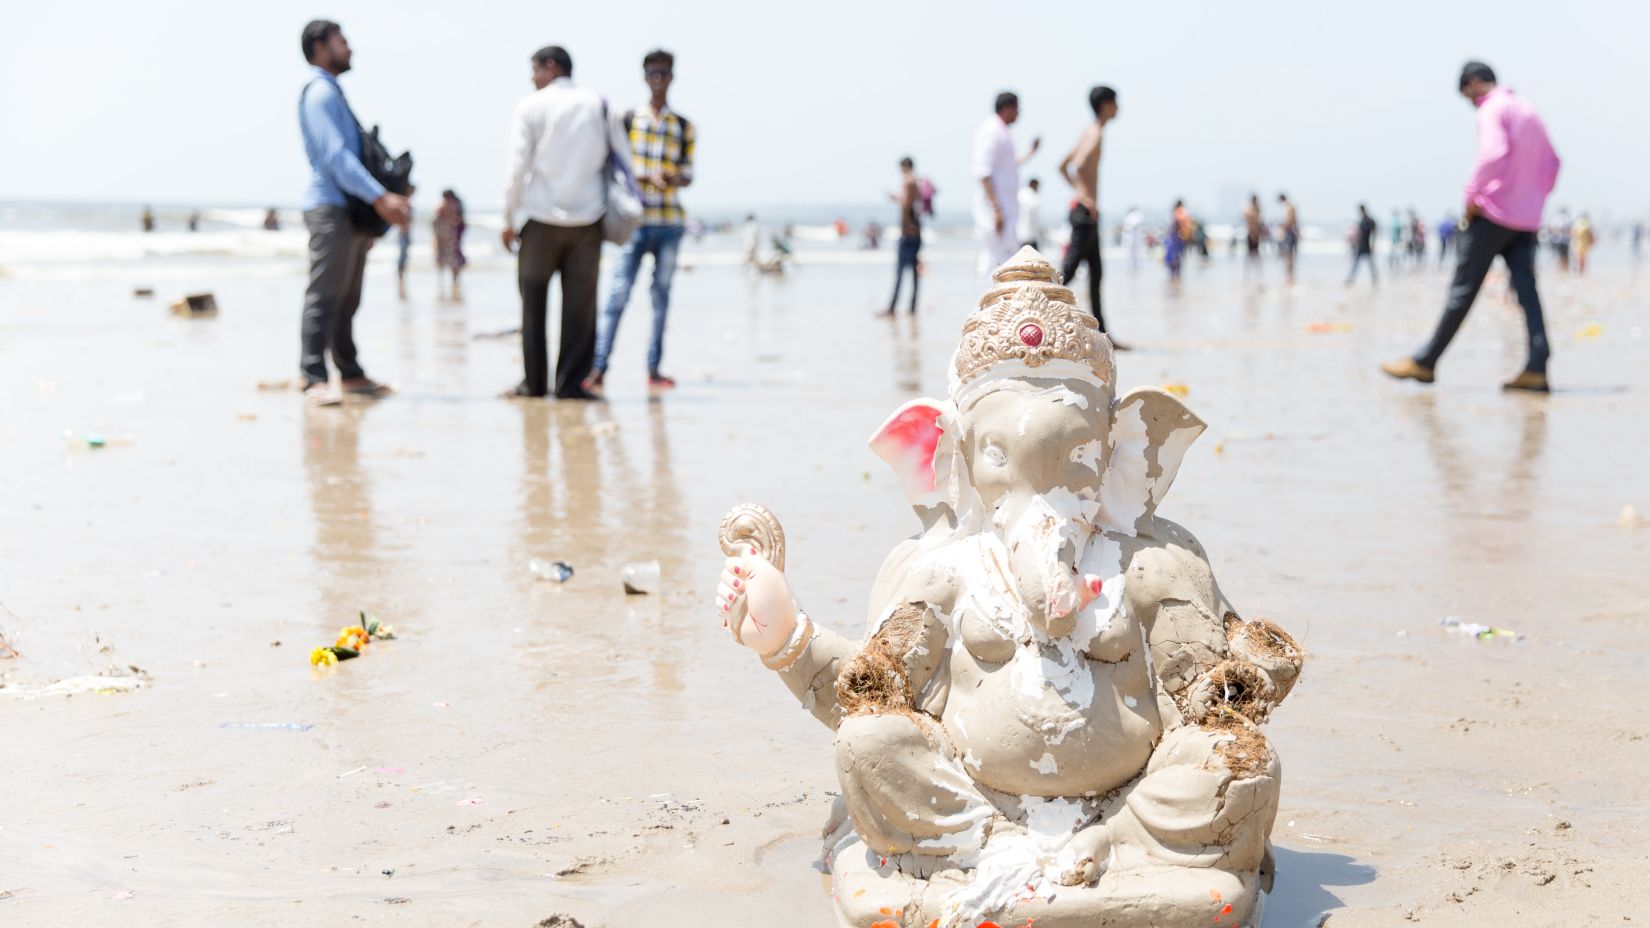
[[1030, 318]]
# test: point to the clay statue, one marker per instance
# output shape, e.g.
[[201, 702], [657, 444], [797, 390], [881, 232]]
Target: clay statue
[[1054, 715]]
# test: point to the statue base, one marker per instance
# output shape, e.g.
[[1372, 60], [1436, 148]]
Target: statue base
[[871, 890]]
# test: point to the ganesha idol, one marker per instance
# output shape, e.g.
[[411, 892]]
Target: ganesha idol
[[1053, 717]]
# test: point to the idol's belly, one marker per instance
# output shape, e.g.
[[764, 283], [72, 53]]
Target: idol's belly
[[1031, 737]]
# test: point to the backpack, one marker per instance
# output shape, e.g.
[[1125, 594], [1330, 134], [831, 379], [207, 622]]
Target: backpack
[[925, 196]]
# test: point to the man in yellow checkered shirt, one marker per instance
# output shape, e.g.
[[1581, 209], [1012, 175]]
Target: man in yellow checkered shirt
[[661, 142]]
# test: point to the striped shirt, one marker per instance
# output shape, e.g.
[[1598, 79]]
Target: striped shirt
[[661, 143]]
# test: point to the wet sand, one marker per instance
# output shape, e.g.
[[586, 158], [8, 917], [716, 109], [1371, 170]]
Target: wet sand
[[532, 748]]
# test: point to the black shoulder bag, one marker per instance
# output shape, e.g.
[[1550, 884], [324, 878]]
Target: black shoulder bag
[[395, 174]]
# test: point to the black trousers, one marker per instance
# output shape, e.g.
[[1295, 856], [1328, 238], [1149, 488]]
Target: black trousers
[[1475, 252], [337, 264], [1366, 256], [1085, 247], [574, 252]]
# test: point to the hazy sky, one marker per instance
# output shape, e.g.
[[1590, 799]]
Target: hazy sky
[[181, 101]]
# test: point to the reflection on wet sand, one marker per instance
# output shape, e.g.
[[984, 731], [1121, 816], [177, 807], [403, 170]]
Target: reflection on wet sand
[[347, 571], [907, 345], [581, 489], [1479, 476], [346, 544], [560, 485]]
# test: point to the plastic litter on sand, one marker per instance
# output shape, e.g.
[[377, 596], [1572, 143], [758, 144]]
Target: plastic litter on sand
[[641, 577], [555, 571], [1477, 630]]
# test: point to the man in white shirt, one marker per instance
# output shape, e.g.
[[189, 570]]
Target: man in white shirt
[[559, 142], [1031, 220], [997, 170], [1133, 232]]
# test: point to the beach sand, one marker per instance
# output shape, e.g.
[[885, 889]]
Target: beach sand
[[526, 748]]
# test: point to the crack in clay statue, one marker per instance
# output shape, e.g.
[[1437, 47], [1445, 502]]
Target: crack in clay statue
[[1054, 714]]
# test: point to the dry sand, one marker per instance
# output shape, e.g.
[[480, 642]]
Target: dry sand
[[526, 749]]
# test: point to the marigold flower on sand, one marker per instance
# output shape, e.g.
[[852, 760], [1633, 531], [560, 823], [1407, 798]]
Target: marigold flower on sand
[[322, 657], [353, 637]]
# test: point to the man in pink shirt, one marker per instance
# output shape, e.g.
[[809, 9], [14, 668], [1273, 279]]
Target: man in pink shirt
[[1516, 170]]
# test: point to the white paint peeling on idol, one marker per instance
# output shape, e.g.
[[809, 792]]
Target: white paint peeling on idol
[[965, 827], [1125, 490], [1016, 865], [1089, 454]]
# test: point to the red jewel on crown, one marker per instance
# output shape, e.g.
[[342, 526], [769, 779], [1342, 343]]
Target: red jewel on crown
[[1031, 334]]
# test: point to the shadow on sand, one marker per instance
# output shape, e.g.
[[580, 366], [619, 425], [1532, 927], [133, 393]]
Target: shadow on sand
[[1301, 895]]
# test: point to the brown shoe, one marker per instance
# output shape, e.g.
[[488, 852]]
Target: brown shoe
[[1407, 369], [1528, 380]]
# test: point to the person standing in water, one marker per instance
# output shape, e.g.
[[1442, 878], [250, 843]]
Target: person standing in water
[[1031, 220], [1176, 238], [1289, 237], [1081, 169], [1134, 230], [1363, 245], [560, 141], [1516, 171], [662, 140], [337, 249], [403, 245], [449, 240], [910, 233], [1581, 240], [1253, 228]]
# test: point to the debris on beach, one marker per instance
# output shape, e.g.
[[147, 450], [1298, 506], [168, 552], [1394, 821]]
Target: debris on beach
[[1589, 332], [351, 642], [72, 686], [143, 292], [1328, 328], [554, 571], [1630, 518], [500, 333], [196, 306], [92, 441], [116, 676], [560, 921], [270, 726], [640, 577], [1178, 389], [1478, 630]]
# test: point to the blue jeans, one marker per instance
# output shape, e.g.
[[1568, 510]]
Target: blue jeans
[[909, 247], [663, 242]]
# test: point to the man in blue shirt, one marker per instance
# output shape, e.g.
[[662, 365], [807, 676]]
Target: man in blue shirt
[[337, 250]]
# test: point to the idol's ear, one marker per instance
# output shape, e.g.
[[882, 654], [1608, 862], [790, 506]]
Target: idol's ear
[[1150, 433], [910, 441]]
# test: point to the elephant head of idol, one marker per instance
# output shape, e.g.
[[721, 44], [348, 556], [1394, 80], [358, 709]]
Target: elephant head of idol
[[1034, 443]]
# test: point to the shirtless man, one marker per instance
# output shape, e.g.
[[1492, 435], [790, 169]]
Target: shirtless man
[[1290, 237], [1081, 169], [1253, 227]]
